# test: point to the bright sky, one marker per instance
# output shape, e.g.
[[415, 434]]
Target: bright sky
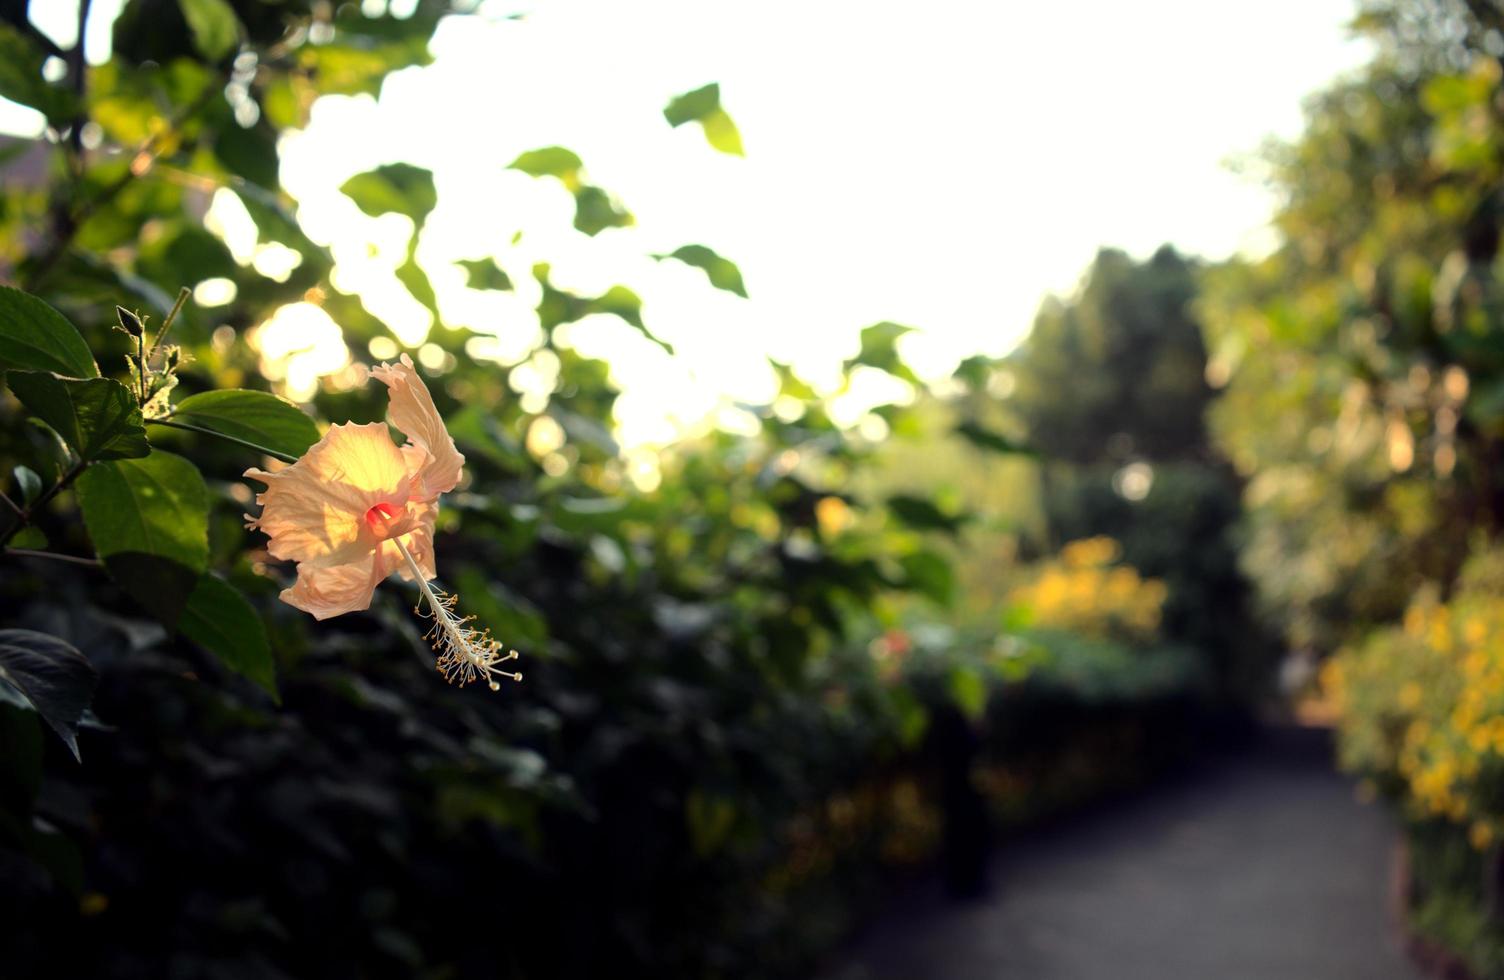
[[942, 165]]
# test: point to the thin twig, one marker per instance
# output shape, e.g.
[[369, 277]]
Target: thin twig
[[15, 508], [226, 436], [70, 559]]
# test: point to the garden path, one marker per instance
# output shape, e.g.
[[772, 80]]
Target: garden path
[[1264, 867]]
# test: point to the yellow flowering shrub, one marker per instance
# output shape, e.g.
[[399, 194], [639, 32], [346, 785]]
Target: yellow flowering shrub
[[1422, 704], [1083, 589]]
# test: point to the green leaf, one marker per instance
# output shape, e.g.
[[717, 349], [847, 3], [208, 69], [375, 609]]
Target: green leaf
[[625, 303], [216, 31], [21, 78], [968, 689], [412, 276], [880, 350], [703, 106], [984, 438], [149, 521], [54, 678], [98, 418], [595, 211], [693, 106], [249, 152], [28, 483], [721, 133], [35, 337], [919, 513], [929, 574], [550, 161], [398, 187], [255, 416], [28, 537], [722, 272], [485, 274], [221, 620]]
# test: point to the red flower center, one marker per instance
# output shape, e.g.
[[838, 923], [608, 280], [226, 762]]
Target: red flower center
[[381, 517]]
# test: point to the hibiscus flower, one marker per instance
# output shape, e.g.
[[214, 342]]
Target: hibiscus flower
[[357, 507]]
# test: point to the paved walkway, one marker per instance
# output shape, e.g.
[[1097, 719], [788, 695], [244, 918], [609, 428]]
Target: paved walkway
[[1264, 868]]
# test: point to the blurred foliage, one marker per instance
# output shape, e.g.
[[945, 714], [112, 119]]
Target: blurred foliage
[[1112, 383], [740, 683], [1363, 402], [1361, 360], [1085, 591]]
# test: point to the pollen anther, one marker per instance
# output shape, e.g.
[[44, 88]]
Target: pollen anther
[[465, 653]]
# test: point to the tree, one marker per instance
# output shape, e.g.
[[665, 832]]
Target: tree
[[1112, 390]]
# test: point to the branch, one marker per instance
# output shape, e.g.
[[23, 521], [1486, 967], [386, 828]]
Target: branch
[[67, 223], [78, 68], [70, 559]]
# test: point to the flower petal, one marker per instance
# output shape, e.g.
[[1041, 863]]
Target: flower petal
[[418, 542], [327, 592], [313, 510], [412, 411]]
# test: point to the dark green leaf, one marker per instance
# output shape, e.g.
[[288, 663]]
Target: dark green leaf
[[595, 211], [35, 337], [919, 513], [216, 31], [219, 619], [21, 78], [693, 106], [55, 679], [149, 521], [930, 575], [249, 153], [984, 438], [398, 187], [98, 418], [485, 274], [255, 416], [28, 537], [703, 105], [722, 272]]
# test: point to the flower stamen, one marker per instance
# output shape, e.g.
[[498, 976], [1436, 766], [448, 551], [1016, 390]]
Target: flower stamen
[[465, 653]]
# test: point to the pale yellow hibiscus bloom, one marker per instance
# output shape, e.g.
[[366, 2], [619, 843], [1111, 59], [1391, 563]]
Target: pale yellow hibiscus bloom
[[357, 508]]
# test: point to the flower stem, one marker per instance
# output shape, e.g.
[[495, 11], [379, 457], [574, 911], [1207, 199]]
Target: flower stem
[[226, 436], [418, 575]]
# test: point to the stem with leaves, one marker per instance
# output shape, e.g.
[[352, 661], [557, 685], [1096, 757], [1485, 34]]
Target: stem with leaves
[[23, 517]]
